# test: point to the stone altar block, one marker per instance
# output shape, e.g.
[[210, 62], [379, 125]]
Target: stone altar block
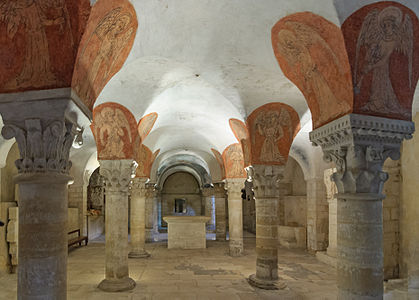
[[186, 232]]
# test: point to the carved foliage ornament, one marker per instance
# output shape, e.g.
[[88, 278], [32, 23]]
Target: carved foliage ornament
[[359, 145], [44, 146], [265, 180], [117, 174]]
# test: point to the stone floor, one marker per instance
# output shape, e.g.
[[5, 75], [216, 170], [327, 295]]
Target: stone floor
[[193, 274]]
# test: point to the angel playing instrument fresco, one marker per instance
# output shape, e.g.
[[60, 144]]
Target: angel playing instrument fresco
[[294, 43], [112, 121], [270, 125], [382, 33], [34, 16], [114, 32]]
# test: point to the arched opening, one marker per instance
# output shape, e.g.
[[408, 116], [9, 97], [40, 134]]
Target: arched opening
[[180, 190]]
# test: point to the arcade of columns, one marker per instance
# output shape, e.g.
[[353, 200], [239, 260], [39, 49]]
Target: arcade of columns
[[46, 122]]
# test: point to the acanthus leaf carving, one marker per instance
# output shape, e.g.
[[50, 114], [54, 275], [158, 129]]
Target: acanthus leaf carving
[[43, 148], [266, 180], [359, 145], [117, 174]]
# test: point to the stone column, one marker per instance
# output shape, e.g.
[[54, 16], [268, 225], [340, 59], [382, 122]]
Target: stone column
[[235, 214], [266, 188], [138, 199], [44, 124], [317, 215], [208, 194], [150, 213], [220, 211], [117, 175], [359, 145]]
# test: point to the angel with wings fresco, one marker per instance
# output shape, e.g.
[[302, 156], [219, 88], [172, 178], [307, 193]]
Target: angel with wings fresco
[[270, 125], [113, 32], [32, 16], [382, 33], [295, 41], [112, 121]]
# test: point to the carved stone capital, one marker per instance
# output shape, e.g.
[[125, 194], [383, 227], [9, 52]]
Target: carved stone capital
[[234, 185], [117, 174], [266, 180], [45, 124], [139, 186], [359, 145]]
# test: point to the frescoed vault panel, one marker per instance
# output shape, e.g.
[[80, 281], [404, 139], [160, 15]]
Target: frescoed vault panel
[[145, 159], [242, 135], [233, 161], [146, 124], [219, 158], [104, 47], [272, 129], [39, 42], [311, 52], [382, 42], [115, 131]]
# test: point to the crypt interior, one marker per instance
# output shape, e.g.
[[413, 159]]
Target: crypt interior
[[196, 149]]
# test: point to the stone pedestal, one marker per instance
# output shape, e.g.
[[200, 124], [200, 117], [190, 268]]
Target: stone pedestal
[[265, 185], [220, 211], [359, 145], [137, 219], [117, 174], [44, 124], [235, 215], [186, 232]]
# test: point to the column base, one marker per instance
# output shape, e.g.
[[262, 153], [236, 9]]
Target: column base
[[117, 285], [266, 284], [139, 254], [236, 251]]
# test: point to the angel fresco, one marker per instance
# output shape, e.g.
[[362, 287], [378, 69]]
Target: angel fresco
[[112, 121], [270, 125], [32, 16], [114, 32], [382, 33], [294, 43]]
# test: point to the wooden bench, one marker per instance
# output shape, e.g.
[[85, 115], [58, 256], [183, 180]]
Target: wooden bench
[[77, 240]]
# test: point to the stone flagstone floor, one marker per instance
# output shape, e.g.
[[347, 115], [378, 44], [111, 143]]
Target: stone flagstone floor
[[199, 274], [192, 274]]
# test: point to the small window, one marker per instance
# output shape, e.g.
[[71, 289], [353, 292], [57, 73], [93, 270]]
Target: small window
[[180, 206]]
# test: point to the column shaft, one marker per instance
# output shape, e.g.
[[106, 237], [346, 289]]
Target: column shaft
[[267, 238], [266, 189], [117, 175], [43, 217], [138, 199], [235, 215], [360, 246]]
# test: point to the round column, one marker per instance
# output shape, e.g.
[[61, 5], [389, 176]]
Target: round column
[[360, 246], [220, 211], [138, 201], [265, 184], [43, 217], [117, 174], [235, 215]]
